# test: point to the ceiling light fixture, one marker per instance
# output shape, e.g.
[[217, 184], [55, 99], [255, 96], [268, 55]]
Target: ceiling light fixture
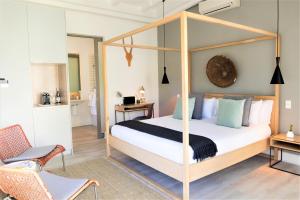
[[165, 79], [277, 76]]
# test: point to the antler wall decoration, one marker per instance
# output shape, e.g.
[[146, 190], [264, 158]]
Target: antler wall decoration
[[128, 54]]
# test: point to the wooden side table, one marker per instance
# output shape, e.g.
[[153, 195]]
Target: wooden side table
[[281, 142]]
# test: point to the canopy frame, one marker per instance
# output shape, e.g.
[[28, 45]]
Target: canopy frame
[[186, 175]]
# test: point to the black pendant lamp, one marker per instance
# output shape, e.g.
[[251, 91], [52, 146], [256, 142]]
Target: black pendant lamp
[[277, 76], [165, 79]]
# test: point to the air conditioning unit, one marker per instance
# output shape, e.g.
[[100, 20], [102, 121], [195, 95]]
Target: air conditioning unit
[[209, 7]]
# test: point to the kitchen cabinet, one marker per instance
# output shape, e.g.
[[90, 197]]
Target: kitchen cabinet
[[52, 125], [47, 34]]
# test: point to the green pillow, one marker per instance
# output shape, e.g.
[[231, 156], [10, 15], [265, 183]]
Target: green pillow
[[230, 113], [178, 109]]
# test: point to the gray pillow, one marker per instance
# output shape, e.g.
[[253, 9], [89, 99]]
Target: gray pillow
[[247, 107], [197, 114]]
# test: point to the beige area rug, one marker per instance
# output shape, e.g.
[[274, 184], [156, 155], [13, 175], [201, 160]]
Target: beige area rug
[[114, 182], [250, 180]]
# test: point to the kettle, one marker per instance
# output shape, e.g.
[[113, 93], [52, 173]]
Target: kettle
[[45, 98]]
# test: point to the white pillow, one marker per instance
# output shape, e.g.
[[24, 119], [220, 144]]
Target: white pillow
[[209, 108], [254, 117], [265, 112], [216, 108]]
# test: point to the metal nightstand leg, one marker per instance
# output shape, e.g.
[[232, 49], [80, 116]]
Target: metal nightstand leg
[[270, 158], [273, 165]]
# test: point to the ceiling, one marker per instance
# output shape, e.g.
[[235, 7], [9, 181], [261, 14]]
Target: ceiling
[[138, 10]]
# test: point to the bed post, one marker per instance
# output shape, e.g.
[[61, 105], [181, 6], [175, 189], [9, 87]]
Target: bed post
[[277, 100], [185, 103], [190, 70], [106, 109], [277, 90]]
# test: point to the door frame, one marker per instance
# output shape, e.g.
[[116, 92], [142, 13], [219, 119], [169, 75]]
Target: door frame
[[97, 40]]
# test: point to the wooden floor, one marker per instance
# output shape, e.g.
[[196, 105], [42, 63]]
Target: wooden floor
[[251, 179], [84, 136], [86, 146]]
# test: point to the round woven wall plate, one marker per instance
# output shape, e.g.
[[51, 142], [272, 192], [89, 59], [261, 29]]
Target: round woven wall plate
[[221, 71]]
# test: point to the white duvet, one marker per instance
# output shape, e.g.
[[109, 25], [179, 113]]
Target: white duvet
[[226, 139]]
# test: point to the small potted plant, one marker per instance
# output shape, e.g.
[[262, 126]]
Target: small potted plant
[[290, 133]]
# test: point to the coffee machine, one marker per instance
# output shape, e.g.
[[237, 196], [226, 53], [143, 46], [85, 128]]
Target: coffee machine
[[45, 98]]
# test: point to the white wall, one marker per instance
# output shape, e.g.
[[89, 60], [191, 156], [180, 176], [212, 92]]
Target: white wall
[[120, 76], [16, 101], [84, 47], [253, 60]]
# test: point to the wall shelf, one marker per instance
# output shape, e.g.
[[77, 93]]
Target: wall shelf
[[51, 105], [48, 78]]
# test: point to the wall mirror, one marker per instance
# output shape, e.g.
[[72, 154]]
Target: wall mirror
[[74, 75]]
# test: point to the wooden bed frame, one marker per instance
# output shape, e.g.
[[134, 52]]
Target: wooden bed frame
[[186, 172]]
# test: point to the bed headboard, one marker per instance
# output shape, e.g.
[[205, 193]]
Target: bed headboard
[[275, 112]]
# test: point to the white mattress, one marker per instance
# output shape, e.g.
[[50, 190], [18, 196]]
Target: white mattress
[[226, 139]]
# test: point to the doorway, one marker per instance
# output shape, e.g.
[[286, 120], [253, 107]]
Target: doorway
[[84, 84]]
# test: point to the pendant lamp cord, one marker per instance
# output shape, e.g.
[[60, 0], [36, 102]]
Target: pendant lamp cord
[[163, 1], [277, 49]]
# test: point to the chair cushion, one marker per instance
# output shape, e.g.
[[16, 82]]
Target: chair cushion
[[32, 153], [61, 188]]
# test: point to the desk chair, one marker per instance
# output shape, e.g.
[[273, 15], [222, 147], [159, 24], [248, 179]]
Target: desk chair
[[149, 113]]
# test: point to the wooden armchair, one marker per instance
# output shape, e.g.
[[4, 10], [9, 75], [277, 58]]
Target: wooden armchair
[[27, 184], [14, 146]]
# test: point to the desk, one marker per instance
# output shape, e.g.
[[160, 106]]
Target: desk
[[131, 108]]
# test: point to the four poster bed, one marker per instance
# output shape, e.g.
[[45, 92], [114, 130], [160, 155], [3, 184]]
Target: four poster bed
[[183, 169]]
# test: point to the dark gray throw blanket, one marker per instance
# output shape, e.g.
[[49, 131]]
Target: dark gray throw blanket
[[203, 147]]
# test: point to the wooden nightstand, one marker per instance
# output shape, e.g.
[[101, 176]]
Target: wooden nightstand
[[281, 142]]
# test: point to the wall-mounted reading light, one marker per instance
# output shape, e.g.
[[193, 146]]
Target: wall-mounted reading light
[[3, 83]]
